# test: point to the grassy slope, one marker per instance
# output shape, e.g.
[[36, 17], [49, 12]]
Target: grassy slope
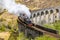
[[11, 20], [4, 35], [8, 23]]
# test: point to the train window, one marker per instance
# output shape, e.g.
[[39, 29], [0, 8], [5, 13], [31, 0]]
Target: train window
[[51, 11], [38, 14], [42, 13], [57, 10], [46, 12], [34, 15]]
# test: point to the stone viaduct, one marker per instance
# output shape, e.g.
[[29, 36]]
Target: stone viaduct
[[45, 16]]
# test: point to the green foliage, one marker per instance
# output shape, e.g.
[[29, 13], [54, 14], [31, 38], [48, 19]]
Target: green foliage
[[55, 26], [21, 37], [50, 26], [15, 35], [2, 28], [1, 20], [45, 37]]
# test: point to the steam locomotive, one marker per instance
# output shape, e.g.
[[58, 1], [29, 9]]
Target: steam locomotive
[[25, 19]]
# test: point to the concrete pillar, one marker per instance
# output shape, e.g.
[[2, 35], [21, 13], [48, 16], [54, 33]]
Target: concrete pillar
[[46, 16], [57, 13], [32, 18], [38, 18], [54, 14], [51, 16], [42, 17]]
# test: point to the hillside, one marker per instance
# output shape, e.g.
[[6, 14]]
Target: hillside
[[11, 20], [39, 4]]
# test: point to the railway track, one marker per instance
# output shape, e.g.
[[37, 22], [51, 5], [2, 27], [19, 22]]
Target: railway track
[[42, 29]]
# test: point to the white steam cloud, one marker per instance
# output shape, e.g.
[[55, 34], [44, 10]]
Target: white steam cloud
[[15, 8]]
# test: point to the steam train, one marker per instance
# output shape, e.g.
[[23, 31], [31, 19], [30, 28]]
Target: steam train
[[25, 19], [28, 32]]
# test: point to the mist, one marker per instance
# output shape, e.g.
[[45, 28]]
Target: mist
[[15, 8]]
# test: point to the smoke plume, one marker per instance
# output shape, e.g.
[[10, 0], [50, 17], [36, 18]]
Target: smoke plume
[[15, 8]]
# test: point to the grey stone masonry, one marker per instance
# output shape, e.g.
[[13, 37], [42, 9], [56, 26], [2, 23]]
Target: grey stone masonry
[[44, 16]]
